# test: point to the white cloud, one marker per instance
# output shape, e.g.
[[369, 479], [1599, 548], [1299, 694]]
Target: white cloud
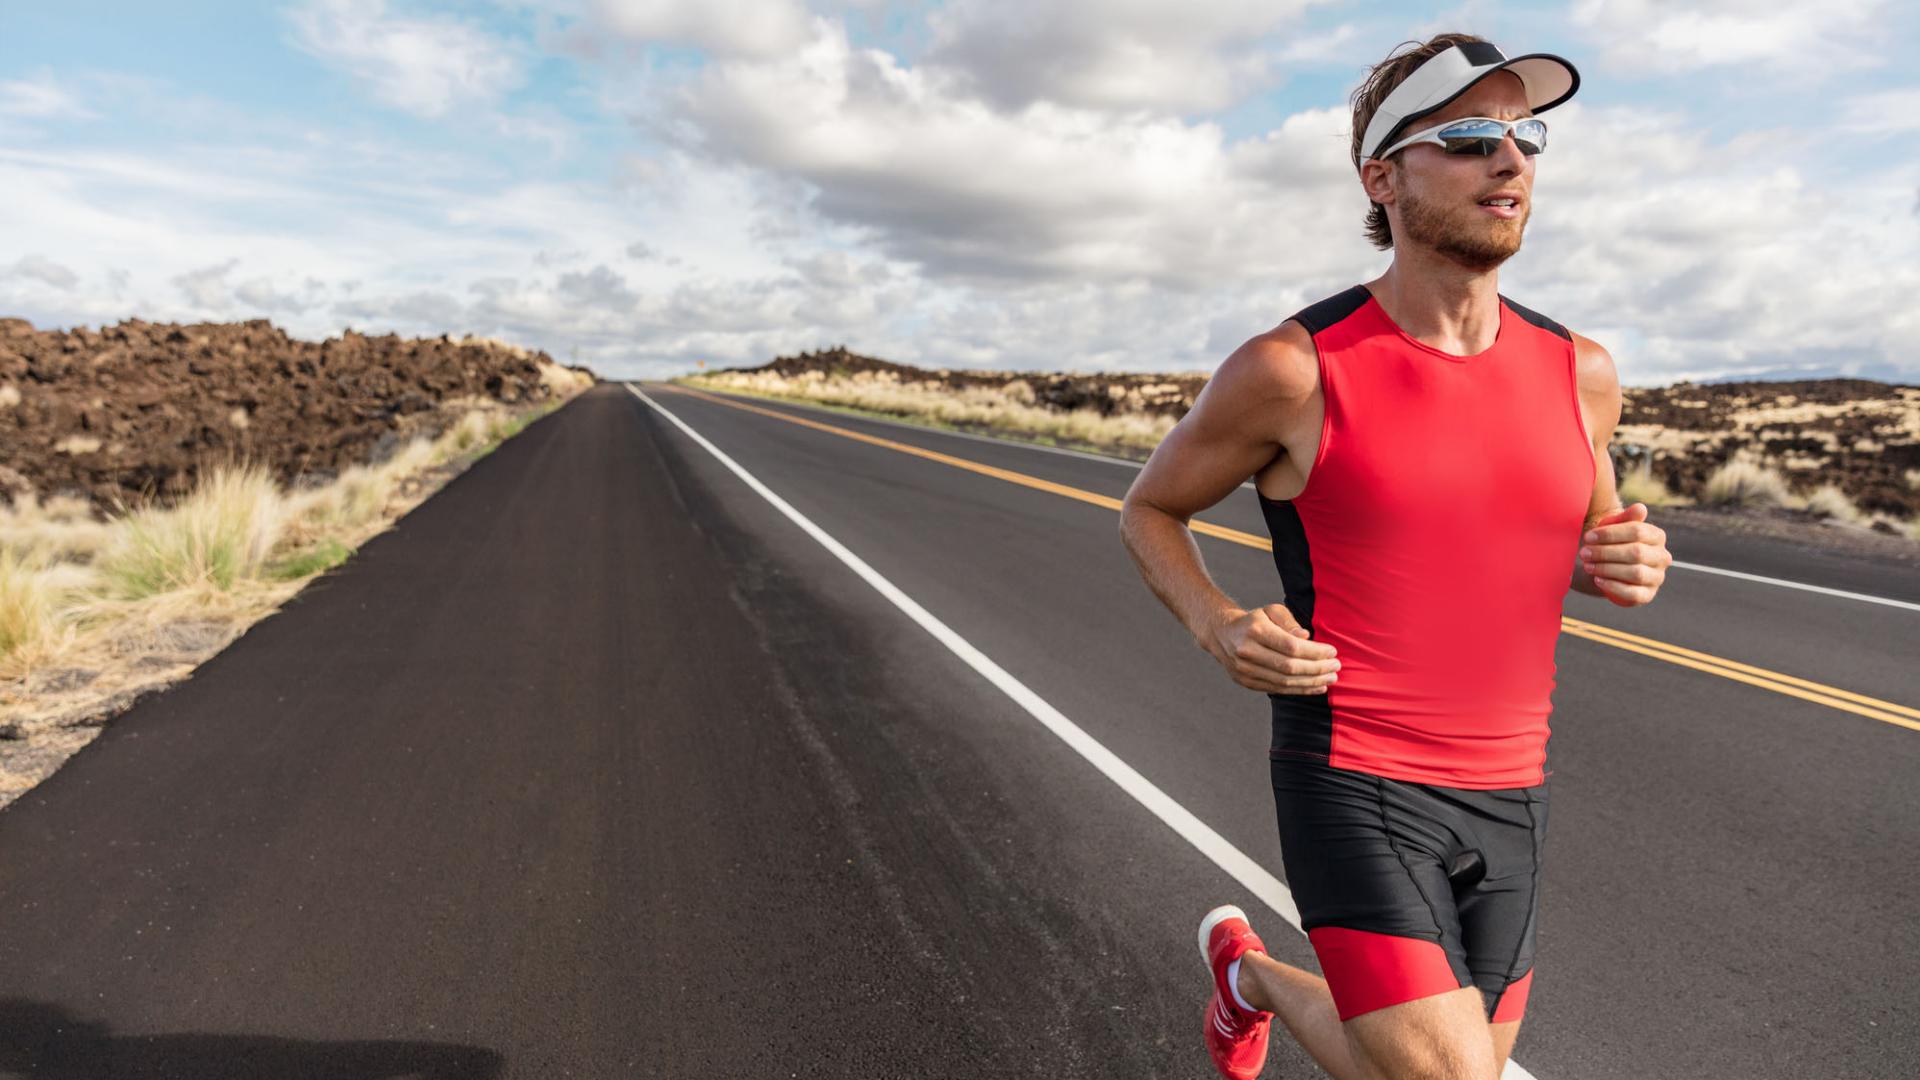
[[1797, 43], [423, 65], [263, 296], [44, 270], [206, 287], [418, 310], [1889, 112], [945, 180], [1201, 55], [39, 99], [720, 27]]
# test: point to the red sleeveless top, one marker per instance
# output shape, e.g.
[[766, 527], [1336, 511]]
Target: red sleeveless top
[[1433, 545]]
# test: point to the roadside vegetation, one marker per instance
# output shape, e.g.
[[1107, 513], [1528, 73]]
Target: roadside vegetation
[[1009, 409], [1748, 484]]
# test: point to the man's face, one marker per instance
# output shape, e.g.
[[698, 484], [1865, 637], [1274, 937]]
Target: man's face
[[1437, 194]]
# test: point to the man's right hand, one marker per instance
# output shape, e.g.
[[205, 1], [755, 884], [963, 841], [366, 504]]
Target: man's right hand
[[1267, 649]]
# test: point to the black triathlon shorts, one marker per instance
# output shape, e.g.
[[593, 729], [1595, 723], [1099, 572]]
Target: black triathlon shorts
[[1407, 889]]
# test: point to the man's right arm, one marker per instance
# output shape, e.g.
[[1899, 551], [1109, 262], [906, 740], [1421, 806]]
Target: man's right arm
[[1231, 432]]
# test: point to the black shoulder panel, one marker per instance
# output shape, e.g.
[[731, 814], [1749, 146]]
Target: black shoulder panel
[[1538, 319], [1322, 314]]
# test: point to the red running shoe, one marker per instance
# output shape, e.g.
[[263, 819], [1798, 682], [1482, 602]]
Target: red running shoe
[[1236, 1038]]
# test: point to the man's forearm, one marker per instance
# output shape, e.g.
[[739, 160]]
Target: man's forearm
[[1164, 550]]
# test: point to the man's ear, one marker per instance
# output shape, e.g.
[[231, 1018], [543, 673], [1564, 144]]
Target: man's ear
[[1376, 178]]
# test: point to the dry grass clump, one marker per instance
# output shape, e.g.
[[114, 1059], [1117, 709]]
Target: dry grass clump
[[1638, 484], [30, 598], [1742, 482], [221, 533], [1828, 501], [64, 526], [1006, 408], [358, 495], [563, 382], [44, 573]]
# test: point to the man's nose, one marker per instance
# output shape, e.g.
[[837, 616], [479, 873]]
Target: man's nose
[[1509, 156]]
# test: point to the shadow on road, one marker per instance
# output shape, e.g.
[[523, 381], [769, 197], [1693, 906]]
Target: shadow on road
[[45, 1041]]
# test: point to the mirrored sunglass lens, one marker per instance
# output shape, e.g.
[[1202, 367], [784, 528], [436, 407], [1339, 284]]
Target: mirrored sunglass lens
[[1471, 137], [1472, 128], [1531, 135]]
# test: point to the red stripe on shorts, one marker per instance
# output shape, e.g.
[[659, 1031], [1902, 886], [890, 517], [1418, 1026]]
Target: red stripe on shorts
[[1368, 971]]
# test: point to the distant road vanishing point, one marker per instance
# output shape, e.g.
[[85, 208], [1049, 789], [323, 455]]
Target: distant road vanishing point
[[601, 764]]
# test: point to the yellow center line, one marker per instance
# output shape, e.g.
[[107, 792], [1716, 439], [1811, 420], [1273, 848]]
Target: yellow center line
[[1792, 685]]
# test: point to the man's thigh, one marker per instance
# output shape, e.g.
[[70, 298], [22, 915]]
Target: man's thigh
[[1438, 1037]]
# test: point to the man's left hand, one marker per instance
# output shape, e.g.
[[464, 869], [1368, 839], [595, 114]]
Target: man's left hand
[[1626, 556]]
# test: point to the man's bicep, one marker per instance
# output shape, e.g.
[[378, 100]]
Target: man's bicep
[[1228, 435]]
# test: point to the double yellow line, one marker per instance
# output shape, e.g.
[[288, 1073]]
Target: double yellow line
[[1794, 686]]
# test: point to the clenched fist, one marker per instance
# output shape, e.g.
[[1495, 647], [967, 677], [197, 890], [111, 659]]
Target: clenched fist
[[1266, 649]]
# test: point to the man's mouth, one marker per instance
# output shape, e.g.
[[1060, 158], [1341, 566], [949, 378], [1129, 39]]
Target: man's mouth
[[1501, 208]]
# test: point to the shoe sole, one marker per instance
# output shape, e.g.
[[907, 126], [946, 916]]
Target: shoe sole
[[1215, 918]]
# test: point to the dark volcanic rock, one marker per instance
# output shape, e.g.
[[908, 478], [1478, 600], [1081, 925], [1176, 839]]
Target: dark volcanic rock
[[136, 410]]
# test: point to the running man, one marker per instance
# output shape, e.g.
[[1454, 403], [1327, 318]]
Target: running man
[[1431, 459]]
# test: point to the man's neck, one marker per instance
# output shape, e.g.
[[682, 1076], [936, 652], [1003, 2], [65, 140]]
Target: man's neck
[[1440, 303]]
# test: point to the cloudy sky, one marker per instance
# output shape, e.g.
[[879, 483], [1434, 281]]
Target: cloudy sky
[[640, 185]]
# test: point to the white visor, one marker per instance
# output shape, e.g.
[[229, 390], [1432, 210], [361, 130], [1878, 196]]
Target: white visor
[[1447, 74]]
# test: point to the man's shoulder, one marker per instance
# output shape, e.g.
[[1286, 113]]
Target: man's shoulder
[[1594, 366], [1280, 363], [1285, 360]]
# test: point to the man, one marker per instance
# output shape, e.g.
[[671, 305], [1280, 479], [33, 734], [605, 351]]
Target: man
[[1427, 454]]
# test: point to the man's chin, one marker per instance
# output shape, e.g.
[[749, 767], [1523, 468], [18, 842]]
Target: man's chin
[[1480, 257]]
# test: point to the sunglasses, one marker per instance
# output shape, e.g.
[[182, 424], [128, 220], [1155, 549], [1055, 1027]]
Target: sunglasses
[[1480, 135]]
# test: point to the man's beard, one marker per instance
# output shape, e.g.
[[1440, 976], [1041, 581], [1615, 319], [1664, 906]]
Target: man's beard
[[1475, 245]]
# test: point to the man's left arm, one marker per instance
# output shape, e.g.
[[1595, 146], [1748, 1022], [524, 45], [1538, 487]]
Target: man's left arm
[[1622, 555]]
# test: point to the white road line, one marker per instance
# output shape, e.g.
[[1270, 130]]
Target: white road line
[[1238, 866], [1785, 584], [1782, 582]]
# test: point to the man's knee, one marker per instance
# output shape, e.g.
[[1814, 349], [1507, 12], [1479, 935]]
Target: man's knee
[[1439, 1037], [1504, 1035]]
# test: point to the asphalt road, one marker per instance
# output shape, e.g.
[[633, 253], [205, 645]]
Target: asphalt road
[[597, 765]]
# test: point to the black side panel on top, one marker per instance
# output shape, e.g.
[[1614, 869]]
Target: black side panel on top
[[1481, 53], [1538, 319], [1322, 314], [1302, 723]]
